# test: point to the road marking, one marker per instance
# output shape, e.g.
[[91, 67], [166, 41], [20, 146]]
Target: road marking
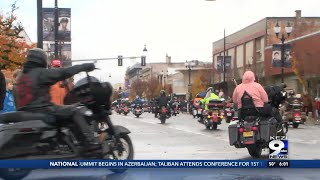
[[300, 141], [179, 129]]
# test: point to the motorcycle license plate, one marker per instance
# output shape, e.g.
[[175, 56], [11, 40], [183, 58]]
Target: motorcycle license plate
[[229, 114], [199, 111], [248, 134], [298, 118]]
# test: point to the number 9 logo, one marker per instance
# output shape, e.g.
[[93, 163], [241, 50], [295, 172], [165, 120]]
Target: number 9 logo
[[277, 149]]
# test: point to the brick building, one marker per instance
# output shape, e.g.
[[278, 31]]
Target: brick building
[[251, 49]]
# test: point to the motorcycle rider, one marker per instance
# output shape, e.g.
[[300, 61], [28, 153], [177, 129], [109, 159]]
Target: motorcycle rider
[[174, 102], [135, 102], [162, 100], [205, 101], [258, 94], [33, 88], [60, 89]]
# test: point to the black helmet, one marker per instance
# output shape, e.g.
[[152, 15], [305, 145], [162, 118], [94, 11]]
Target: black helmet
[[37, 56], [162, 92]]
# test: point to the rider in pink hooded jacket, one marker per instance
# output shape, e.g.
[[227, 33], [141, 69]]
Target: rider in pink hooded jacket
[[255, 90], [258, 94]]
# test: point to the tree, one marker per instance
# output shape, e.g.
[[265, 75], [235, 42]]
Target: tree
[[13, 47], [201, 81], [153, 88], [137, 88]]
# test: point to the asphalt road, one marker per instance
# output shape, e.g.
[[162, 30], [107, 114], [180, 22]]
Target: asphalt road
[[182, 137]]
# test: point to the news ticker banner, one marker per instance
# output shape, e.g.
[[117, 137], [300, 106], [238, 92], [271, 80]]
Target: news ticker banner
[[121, 164]]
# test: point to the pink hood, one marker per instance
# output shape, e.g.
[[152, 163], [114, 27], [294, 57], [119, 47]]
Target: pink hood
[[255, 90], [248, 77]]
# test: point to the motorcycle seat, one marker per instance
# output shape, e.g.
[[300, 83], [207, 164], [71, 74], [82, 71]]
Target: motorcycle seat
[[20, 116]]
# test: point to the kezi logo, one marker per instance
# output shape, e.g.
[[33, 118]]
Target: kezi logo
[[278, 147]]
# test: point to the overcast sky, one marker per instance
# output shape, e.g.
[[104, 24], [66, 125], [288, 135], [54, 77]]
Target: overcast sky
[[184, 29]]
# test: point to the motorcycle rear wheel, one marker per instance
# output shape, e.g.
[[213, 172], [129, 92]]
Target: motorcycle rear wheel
[[14, 174], [214, 126], [295, 125], [254, 151]]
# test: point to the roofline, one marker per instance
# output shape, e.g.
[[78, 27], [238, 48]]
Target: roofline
[[298, 38], [240, 30], [266, 18]]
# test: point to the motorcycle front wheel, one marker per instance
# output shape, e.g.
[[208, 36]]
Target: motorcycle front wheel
[[14, 174], [127, 153]]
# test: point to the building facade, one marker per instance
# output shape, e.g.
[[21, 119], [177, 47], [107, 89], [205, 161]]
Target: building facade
[[251, 49], [174, 76]]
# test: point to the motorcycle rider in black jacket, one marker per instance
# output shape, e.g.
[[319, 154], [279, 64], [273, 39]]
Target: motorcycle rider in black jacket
[[33, 88], [162, 100]]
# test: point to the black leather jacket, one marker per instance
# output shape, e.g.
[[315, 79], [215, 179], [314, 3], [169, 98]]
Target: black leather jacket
[[33, 86]]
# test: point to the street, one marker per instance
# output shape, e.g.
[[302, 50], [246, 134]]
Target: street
[[184, 138]]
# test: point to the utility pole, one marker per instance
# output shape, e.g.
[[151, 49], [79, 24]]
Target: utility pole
[[224, 56], [225, 87], [39, 24], [56, 26]]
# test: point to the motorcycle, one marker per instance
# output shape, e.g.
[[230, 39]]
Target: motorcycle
[[118, 109], [125, 110], [163, 115], [175, 110], [253, 132], [213, 117], [137, 111], [229, 113], [36, 136], [146, 108], [295, 116]]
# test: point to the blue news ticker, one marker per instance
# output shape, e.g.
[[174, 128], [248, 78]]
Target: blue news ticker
[[44, 164]]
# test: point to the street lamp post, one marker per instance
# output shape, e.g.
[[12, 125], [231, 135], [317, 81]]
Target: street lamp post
[[144, 56], [165, 75], [39, 24], [56, 26], [277, 30], [189, 66]]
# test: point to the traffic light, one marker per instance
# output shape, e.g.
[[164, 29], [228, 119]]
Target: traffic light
[[143, 60], [119, 60]]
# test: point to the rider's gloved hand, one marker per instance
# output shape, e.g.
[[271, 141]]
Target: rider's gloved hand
[[88, 67]]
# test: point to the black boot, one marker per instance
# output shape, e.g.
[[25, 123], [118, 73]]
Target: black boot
[[86, 131]]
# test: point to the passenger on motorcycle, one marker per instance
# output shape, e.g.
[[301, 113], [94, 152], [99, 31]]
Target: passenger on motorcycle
[[162, 100], [33, 87], [249, 88], [209, 96]]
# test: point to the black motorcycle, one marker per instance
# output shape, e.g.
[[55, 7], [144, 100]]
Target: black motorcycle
[[26, 135], [163, 115], [229, 113], [137, 111], [253, 131]]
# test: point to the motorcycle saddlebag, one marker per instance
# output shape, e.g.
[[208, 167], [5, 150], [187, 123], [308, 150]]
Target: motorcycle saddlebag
[[268, 127], [233, 133]]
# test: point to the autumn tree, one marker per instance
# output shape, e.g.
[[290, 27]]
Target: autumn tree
[[138, 87], [13, 47], [201, 81], [153, 88]]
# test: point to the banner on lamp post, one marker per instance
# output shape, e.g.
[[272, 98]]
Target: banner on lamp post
[[64, 29], [220, 63], [276, 56]]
